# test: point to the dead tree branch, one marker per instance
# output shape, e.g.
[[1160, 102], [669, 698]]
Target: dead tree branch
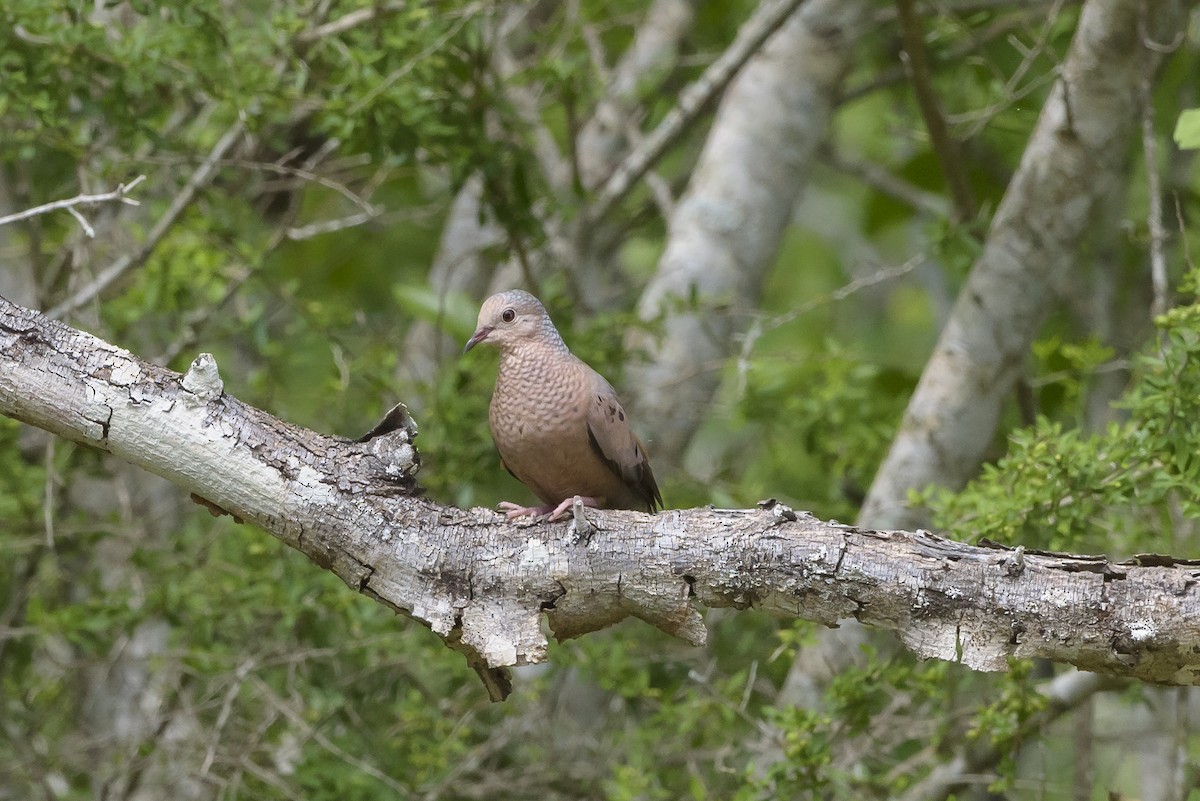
[[483, 584]]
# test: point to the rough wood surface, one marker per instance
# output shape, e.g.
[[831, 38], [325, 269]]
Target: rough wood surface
[[483, 584]]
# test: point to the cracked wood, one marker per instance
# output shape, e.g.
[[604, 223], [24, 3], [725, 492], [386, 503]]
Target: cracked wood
[[483, 584]]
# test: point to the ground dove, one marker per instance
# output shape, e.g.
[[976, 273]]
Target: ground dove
[[556, 422]]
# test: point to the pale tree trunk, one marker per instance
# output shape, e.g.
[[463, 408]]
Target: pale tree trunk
[[484, 583], [1075, 158], [726, 229], [1073, 170]]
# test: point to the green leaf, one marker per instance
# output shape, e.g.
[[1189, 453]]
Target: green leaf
[[1187, 129]]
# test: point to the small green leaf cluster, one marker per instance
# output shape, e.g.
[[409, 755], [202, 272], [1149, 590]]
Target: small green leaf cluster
[[1003, 724], [857, 744], [805, 738], [828, 416]]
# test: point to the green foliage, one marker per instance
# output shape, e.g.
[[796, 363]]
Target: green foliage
[[1002, 725], [805, 739], [1119, 490], [831, 412], [300, 687]]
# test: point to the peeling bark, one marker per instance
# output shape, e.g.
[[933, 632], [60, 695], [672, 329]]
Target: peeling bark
[[483, 584]]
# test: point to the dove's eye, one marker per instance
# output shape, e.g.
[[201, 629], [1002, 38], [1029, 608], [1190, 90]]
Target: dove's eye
[[508, 315]]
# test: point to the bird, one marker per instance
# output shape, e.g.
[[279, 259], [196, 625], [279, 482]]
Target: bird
[[558, 424]]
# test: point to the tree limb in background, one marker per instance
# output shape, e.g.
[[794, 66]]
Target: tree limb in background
[[654, 50], [769, 18], [461, 265], [727, 228], [1075, 157], [118, 195], [944, 146], [197, 181], [483, 583]]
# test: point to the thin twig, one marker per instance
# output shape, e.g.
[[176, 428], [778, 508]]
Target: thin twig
[[118, 195], [48, 494], [944, 145], [1013, 91], [198, 180], [329, 226], [760, 327], [1183, 240], [692, 101], [879, 178], [350, 21], [306, 175], [235, 687]]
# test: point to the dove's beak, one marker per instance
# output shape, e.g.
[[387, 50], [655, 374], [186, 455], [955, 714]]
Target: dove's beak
[[480, 335]]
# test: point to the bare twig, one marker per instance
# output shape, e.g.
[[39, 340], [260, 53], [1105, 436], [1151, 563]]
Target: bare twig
[[692, 101], [307, 175], [944, 145], [48, 494], [329, 226], [350, 21], [118, 195], [880, 179], [235, 686], [198, 180], [1183, 240], [760, 326], [1014, 90]]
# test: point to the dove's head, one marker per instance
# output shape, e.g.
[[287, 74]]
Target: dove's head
[[510, 319]]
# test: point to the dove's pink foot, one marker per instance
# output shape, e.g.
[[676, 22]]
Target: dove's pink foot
[[513, 510]]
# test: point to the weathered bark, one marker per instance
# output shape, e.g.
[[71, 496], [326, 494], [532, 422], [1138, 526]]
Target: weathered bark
[[1074, 159], [727, 228], [483, 583]]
